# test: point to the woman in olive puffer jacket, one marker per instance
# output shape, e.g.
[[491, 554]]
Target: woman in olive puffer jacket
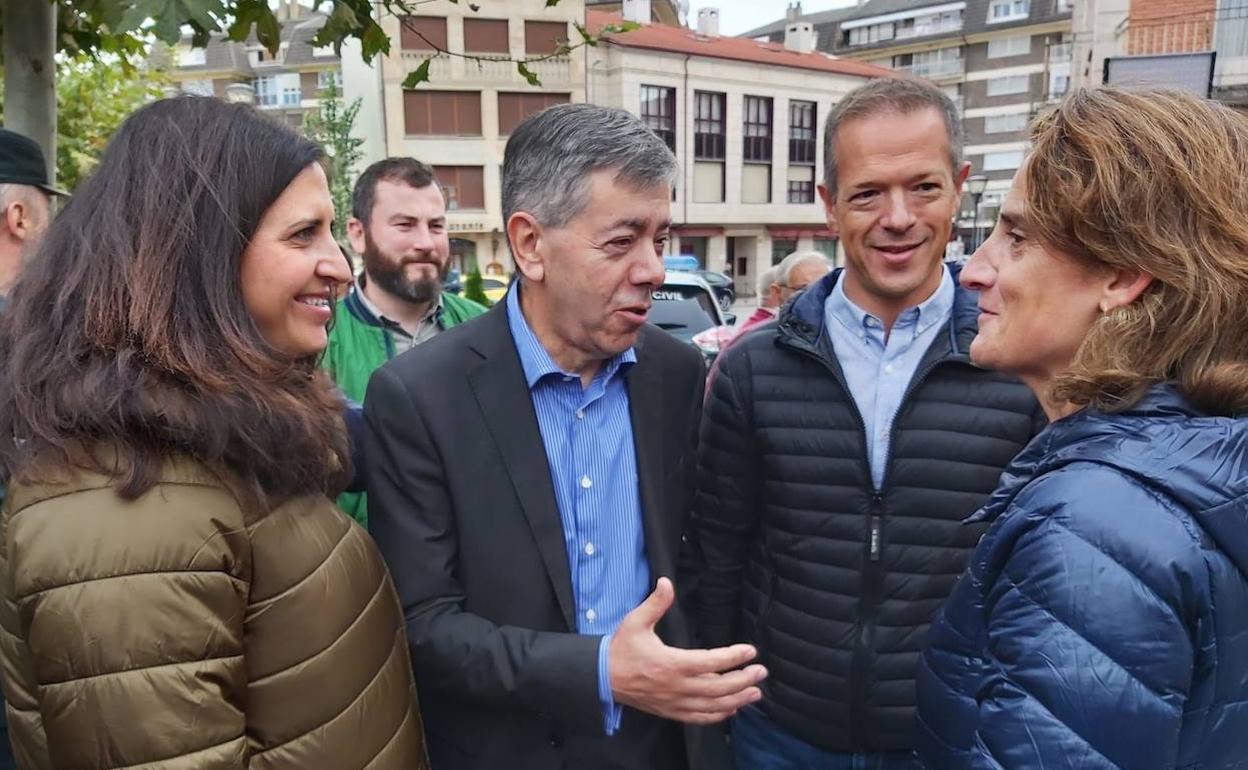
[[179, 591]]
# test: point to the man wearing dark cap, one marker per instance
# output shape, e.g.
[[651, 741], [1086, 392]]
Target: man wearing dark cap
[[25, 203], [25, 209]]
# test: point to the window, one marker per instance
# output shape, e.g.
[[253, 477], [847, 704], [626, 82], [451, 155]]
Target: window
[[1008, 10], [658, 111], [422, 33], [708, 125], [874, 33], [292, 91], [200, 87], [1003, 161], [442, 113], [486, 36], [802, 132], [266, 91], [463, 186], [1009, 46], [996, 124], [192, 57], [927, 64], [1059, 84], [1013, 84], [757, 129], [513, 108], [544, 37], [801, 187], [781, 248], [259, 56], [328, 78]]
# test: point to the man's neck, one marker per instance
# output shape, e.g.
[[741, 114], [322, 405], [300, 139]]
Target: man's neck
[[10, 267], [404, 313], [889, 309], [565, 356]]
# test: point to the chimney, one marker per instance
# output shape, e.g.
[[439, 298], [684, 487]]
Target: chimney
[[708, 22], [637, 10], [799, 36], [794, 11]]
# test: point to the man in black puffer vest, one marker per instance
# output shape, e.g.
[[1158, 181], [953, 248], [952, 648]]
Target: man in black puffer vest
[[843, 445]]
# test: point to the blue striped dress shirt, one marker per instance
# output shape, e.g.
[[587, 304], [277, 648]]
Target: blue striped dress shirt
[[879, 368], [588, 438]]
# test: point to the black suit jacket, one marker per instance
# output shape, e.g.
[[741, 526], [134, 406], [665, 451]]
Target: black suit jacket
[[462, 506]]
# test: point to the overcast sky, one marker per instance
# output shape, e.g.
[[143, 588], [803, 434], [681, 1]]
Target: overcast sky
[[737, 16]]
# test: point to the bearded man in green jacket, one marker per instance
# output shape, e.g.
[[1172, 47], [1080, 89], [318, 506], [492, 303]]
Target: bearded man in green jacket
[[398, 226]]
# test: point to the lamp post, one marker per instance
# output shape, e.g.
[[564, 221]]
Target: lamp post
[[975, 185]]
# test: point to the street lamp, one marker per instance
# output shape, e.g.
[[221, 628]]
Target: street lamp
[[975, 185], [240, 93]]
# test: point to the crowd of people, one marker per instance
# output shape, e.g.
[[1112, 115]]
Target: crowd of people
[[264, 513]]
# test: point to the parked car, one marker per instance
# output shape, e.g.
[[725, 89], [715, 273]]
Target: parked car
[[494, 288], [452, 283], [684, 306], [721, 285]]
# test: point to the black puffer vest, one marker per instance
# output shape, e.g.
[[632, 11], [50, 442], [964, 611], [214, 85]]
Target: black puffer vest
[[835, 583]]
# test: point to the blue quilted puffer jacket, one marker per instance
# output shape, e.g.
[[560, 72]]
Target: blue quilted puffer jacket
[[1103, 621]]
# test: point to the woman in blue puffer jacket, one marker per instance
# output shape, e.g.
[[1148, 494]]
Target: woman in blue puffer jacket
[[1103, 622]]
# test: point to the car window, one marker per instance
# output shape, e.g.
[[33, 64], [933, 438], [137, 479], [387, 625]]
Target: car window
[[683, 311]]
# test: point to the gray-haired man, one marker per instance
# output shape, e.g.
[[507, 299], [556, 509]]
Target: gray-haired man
[[529, 479]]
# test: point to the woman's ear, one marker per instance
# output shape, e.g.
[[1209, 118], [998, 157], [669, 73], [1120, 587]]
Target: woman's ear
[[1123, 288]]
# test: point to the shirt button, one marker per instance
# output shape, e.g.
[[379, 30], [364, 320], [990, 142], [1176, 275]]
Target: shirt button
[[586, 483], [590, 615], [589, 549], [888, 369], [580, 414]]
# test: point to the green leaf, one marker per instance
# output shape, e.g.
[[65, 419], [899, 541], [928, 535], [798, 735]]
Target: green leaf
[[586, 37], [139, 13], [374, 40], [418, 75], [269, 31], [526, 73], [551, 3]]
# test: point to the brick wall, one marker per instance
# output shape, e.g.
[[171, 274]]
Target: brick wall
[[1167, 26]]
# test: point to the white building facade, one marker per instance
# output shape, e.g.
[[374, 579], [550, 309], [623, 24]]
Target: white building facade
[[745, 122]]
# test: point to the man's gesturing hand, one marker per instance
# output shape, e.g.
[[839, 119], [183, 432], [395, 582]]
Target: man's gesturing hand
[[685, 685]]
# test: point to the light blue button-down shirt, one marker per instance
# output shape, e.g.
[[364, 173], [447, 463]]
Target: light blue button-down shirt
[[878, 370], [588, 436]]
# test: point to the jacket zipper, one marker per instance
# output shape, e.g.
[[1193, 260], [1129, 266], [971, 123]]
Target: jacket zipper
[[872, 584]]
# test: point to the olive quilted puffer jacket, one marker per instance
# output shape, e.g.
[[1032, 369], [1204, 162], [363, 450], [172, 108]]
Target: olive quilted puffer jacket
[[174, 632]]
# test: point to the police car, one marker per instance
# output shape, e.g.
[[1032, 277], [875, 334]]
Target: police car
[[684, 306]]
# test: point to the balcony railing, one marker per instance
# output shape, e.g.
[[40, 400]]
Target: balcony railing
[[1060, 53], [920, 30], [936, 69]]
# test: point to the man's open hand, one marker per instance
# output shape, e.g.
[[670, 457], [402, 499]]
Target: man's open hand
[[694, 686]]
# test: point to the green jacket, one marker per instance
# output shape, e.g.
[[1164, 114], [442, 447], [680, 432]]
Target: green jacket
[[359, 344]]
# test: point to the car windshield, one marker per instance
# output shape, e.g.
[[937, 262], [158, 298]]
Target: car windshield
[[683, 311]]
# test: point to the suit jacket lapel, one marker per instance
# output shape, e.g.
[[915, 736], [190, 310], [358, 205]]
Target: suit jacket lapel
[[506, 407], [645, 396]]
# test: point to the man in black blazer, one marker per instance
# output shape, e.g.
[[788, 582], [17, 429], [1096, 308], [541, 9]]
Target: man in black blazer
[[530, 476]]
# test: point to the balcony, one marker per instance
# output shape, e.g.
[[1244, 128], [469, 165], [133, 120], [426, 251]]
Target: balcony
[[1061, 53], [937, 69]]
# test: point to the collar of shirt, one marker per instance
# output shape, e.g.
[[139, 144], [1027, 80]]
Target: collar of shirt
[[433, 314], [536, 361], [935, 309]]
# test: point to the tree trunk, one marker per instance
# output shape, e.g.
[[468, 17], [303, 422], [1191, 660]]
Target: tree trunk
[[30, 73]]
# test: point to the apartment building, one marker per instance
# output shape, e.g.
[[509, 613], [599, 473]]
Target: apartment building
[[1165, 43], [999, 60], [460, 119], [743, 119], [670, 12], [289, 84]]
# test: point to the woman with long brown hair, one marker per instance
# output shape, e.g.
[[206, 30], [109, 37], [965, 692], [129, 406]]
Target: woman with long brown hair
[[179, 591], [1103, 622]]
